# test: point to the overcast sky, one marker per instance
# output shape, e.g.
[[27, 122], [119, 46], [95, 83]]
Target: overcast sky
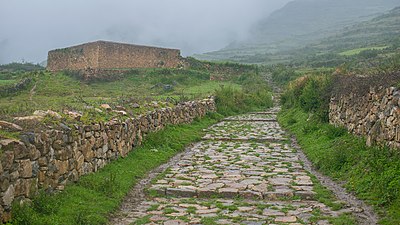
[[30, 28]]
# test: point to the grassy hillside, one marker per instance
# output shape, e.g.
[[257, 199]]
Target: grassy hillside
[[15, 67], [302, 23], [366, 44], [136, 92], [303, 17]]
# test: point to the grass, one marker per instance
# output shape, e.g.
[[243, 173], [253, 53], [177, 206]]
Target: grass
[[61, 91], [372, 173], [324, 195], [95, 196], [9, 134], [7, 82], [359, 50], [209, 87]]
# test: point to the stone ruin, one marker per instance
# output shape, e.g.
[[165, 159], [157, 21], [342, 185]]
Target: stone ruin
[[104, 56]]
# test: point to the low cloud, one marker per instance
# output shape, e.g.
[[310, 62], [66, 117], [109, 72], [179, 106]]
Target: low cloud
[[30, 28]]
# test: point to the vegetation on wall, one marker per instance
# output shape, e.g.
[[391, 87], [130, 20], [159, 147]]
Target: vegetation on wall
[[135, 90], [95, 196], [311, 94], [373, 173]]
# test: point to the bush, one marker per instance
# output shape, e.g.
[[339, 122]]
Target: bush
[[311, 94], [283, 75], [13, 67], [231, 101]]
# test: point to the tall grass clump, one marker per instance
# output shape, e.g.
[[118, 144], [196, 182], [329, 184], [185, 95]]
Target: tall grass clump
[[311, 94], [252, 97]]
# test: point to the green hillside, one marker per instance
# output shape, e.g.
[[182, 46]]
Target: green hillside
[[377, 34], [134, 92], [304, 17], [305, 22]]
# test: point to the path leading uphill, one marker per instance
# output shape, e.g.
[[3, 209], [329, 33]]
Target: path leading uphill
[[244, 171]]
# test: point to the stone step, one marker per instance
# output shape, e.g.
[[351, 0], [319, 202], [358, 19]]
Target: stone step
[[244, 139], [229, 211], [251, 120], [232, 193], [263, 113]]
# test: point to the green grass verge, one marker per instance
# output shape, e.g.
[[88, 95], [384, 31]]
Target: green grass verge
[[358, 50], [95, 196], [373, 173], [7, 82]]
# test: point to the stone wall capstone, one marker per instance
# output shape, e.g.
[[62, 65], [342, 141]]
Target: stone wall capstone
[[375, 115], [52, 158]]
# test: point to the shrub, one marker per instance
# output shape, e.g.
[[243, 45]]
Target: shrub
[[311, 94], [283, 75], [231, 101]]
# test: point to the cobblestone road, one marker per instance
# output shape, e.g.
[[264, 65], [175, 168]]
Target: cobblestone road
[[243, 172]]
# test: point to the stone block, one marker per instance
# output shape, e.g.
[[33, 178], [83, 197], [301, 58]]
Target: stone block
[[25, 168], [79, 162], [309, 195], [205, 192], [25, 187], [272, 212], [286, 219], [41, 176], [87, 152], [8, 196], [61, 166], [181, 192], [7, 159], [43, 161], [4, 181], [250, 194], [228, 192], [58, 145]]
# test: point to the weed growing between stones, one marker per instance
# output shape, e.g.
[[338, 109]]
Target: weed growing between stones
[[100, 193]]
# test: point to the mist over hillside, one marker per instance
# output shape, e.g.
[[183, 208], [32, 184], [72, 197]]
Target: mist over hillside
[[29, 29], [302, 22], [301, 17]]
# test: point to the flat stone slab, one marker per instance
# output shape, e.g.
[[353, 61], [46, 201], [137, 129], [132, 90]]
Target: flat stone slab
[[246, 130], [231, 169], [251, 120], [194, 211], [242, 172]]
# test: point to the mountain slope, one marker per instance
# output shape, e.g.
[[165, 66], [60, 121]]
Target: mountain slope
[[380, 35], [302, 17], [299, 23]]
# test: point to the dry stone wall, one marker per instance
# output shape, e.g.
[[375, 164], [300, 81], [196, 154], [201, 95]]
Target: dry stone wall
[[101, 55], [52, 158], [375, 115]]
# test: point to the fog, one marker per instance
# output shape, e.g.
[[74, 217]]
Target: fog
[[29, 29]]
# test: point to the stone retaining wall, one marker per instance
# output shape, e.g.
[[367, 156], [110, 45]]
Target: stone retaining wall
[[53, 158], [375, 115]]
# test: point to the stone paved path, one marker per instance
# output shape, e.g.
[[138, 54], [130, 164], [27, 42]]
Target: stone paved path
[[243, 172]]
